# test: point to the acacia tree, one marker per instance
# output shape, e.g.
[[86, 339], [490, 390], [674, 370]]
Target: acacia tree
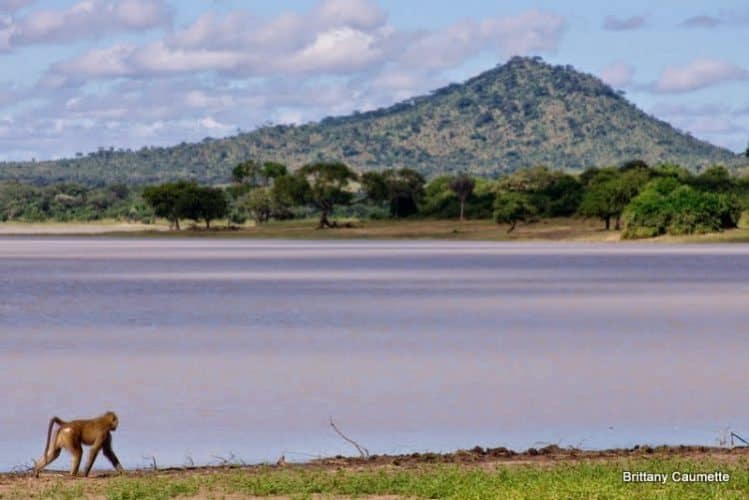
[[462, 185], [167, 200], [202, 203], [328, 183], [513, 207]]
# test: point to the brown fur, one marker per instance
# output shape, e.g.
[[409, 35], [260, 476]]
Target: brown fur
[[94, 432]]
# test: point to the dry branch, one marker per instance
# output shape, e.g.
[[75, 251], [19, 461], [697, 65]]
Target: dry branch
[[362, 450]]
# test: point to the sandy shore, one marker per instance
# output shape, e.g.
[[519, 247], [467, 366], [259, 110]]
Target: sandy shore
[[32, 229]]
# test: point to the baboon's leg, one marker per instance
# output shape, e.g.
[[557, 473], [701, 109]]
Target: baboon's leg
[[92, 452], [77, 454], [46, 459], [109, 453]]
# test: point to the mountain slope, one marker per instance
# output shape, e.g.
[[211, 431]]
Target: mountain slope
[[521, 114]]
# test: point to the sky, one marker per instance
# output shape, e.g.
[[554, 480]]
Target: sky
[[78, 75]]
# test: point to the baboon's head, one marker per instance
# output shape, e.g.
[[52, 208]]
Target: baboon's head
[[113, 420]]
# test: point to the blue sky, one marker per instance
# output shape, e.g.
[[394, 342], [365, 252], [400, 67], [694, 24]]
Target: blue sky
[[82, 74]]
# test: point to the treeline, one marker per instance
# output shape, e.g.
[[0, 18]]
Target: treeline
[[640, 200], [71, 202]]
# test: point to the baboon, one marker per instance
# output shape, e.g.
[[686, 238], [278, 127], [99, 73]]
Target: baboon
[[95, 432]]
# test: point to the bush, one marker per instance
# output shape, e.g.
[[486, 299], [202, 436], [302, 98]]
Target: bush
[[662, 208]]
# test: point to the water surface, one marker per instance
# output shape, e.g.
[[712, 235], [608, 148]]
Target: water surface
[[208, 348]]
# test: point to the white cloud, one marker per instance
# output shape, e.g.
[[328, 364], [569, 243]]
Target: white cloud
[[618, 75], [319, 43], [226, 71], [85, 19], [357, 14], [613, 23], [340, 49], [698, 74]]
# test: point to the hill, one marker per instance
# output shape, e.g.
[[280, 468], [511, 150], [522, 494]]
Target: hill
[[520, 114]]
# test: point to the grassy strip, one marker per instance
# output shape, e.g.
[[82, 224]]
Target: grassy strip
[[564, 480], [559, 229]]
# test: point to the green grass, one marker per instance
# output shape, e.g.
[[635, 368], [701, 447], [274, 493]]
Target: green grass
[[538, 481]]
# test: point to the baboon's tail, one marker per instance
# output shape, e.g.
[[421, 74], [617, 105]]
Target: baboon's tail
[[52, 421]]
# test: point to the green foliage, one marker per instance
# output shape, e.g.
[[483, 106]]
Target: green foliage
[[166, 199], [328, 186], [69, 202], [665, 206], [517, 115], [513, 207], [186, 200], [553, 193], [402, 190], [374, 187], [610, 190], [715, 179], [258, 203]]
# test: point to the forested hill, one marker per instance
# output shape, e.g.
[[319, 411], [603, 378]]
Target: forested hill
[[520, 114]]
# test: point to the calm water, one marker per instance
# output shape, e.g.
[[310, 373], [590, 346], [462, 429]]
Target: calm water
[[207, 348]]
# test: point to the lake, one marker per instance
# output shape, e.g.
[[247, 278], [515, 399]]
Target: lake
[[216, 349]]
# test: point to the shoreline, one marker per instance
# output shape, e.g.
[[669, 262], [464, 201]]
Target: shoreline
[[557, 230], [495, 471]]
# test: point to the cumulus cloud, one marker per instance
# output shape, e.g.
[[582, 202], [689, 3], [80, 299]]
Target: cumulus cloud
[[698, 74], [236, 69], [84, 20], [617, 75], [333, 38], [613, 23]]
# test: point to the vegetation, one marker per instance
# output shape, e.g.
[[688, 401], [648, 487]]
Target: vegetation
[[186, 200], [462, 185], [515, 116], [642, 201], [581, 479], [71, 202]]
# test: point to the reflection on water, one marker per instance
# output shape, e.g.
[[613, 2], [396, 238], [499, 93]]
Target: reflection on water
[[212, 347]]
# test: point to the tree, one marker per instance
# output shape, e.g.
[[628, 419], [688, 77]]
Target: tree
[[513, 207], [259, 204], [405, 188], [166, 200], [374, 187], [462, 185], [248, 173], [746, 153], [402, 189], [715, 179], [609, 191], [202, 203], [253, 174], [272, 171], [328, 183], [289, 191]]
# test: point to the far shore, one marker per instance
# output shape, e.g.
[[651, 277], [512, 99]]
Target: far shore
[[562, 229]]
